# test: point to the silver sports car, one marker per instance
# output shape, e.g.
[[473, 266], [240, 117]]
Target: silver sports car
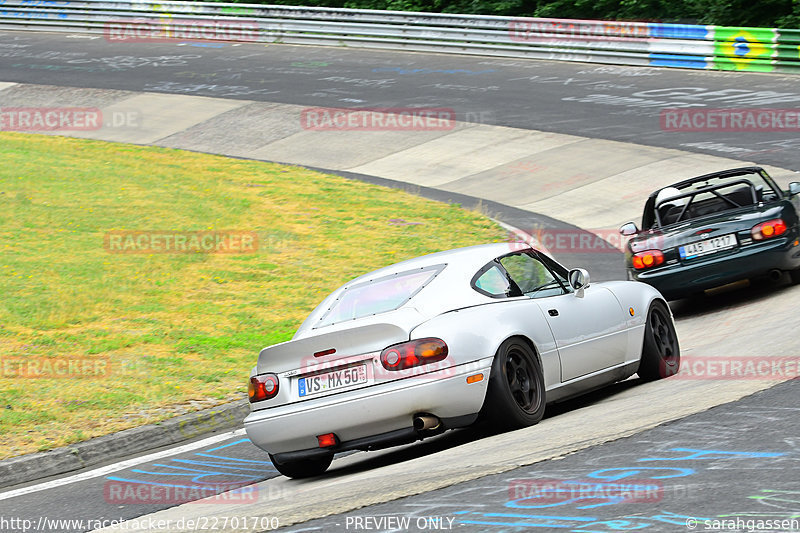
[[431, 344]]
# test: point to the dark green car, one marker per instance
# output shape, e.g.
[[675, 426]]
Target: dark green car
[[715, 229]]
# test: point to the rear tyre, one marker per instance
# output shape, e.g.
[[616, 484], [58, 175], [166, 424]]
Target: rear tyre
[[515, 397], [661, 354], [303, 468]]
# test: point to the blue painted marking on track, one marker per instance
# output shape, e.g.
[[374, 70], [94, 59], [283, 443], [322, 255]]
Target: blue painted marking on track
[[513, 524], [235, 459], [668, 517], [611, 500], [221, 465], [608, 477], [196, 474], [700, 454], [532, 520], [215, 486], [538, 516], [635, 471], [201, 473], [234, 443], [237, 471], [216, 472]]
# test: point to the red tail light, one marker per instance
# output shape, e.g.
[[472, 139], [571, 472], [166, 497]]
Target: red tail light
[[262, 387], [413, 353], [768, 229], [327, 440], [647, 259]]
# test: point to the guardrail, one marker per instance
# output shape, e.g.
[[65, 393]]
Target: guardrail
[[622, 43]]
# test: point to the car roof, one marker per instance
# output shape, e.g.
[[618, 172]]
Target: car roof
[[462, 264], [470, 258]]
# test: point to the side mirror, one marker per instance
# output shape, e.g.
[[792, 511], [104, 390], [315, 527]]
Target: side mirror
[[578, 280], [629, 228], [794, 188]]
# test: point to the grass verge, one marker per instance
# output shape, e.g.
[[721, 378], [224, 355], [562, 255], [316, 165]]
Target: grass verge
[[173, 332]]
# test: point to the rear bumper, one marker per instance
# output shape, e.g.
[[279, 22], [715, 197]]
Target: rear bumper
[[377, 442], [678, 280], [369, 413]]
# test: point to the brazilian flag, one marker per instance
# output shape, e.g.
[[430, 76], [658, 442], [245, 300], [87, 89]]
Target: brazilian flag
[[748, 49]]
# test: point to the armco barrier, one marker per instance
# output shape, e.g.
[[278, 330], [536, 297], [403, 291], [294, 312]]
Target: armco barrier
[[622, 43]]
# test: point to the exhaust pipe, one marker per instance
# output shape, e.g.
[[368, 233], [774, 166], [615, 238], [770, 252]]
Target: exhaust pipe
[[775, 274], [423, 422]]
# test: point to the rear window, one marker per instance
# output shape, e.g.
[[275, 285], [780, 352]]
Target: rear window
[[379, 295]]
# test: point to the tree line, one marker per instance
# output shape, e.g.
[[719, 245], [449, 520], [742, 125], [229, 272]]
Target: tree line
[[761, 13]]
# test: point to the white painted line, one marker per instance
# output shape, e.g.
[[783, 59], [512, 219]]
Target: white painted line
[[103, 470]]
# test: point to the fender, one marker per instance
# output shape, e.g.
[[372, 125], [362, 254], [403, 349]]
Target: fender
[[477, 332]]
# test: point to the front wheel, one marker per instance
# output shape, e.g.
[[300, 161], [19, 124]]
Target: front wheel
[[515, 397], [661, 354], [302, 468], [795, 275]]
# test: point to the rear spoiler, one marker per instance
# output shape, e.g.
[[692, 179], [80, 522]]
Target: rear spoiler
[[305, 352]]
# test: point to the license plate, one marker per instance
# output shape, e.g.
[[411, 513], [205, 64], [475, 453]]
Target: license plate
[[708, 246], [336, 379]]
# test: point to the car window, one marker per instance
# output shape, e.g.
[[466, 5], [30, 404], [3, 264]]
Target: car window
[[532, 277], [494, 282], [561, 273], [378, 295]]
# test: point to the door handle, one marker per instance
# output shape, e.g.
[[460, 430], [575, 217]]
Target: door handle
[[552, 312]]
